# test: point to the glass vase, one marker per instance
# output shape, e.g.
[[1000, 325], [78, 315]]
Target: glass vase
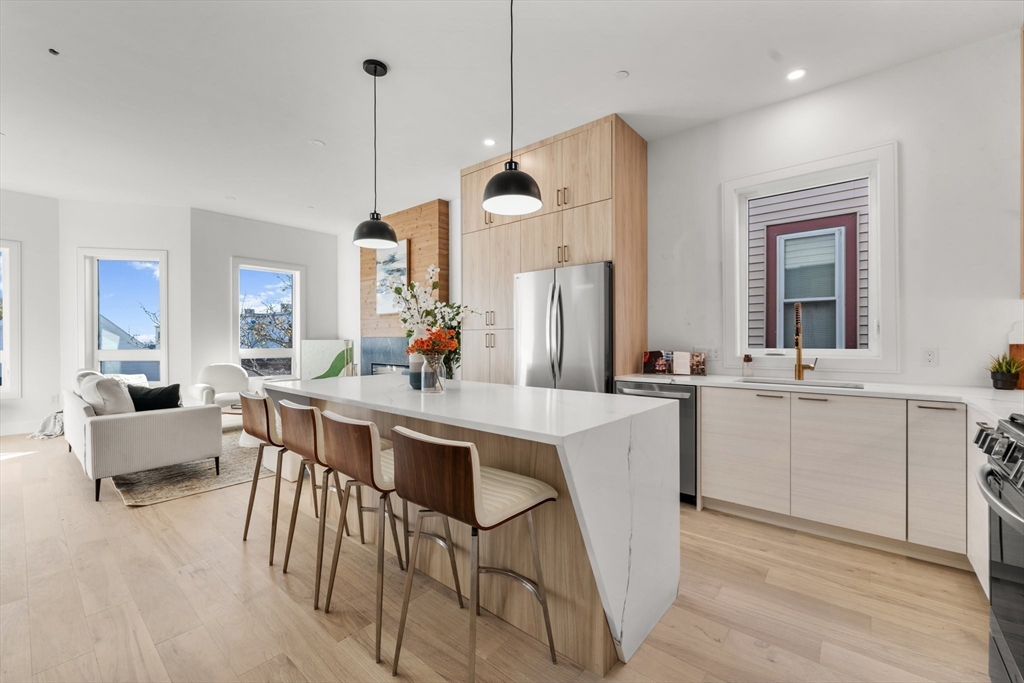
[[432, 374]]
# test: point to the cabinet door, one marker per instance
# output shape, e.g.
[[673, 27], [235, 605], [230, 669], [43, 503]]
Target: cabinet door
[[588, 234], [473, 215], [936, 475], [475, 356], [502, 357], [849, 462], [977, 508], [541, 241], [503, 264], [545, 165], [745, 447], [476, 278], [587, 166]]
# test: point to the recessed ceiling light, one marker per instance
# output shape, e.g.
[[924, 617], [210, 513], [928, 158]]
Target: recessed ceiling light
[[318, 143], [54, 52], [230, 198], [796, 74], [489, 142], [621, 75]]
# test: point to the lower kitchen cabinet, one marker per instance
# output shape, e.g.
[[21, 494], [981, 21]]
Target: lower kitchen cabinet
[[977, 507], [849, 462], [936, 478], [488, 356], [745, 447]]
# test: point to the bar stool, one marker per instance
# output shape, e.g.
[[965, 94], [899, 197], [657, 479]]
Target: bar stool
[[303, 434], [259, 420], [354, 446], [446, 478]]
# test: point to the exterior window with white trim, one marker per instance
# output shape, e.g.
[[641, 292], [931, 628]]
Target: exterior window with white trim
[[125, 327], [10, 319], [810, 271], [267, 314]]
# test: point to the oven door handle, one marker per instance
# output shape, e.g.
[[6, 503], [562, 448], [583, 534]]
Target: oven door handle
[[1005, 512]]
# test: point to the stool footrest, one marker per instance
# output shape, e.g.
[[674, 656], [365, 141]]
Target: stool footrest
[[530, 584]]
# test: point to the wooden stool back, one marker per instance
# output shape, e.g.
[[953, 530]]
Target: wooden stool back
[[259, 418], [437, 474], [350, 446], [302, 431]]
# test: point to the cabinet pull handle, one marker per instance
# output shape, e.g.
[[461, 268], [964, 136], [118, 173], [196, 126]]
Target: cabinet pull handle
[[935, 407], [769, 396], [558, 197], [565, 196], [565, 252], [559, 254], [808, 398], [983, 425]]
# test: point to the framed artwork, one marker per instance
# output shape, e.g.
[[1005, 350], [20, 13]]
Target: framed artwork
[[391, 263]]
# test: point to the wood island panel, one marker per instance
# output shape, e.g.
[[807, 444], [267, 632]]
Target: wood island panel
[[578, 621]]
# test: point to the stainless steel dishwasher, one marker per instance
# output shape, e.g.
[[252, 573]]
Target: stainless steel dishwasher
[[686, 395]]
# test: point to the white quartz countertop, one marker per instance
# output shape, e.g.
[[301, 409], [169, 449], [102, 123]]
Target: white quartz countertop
[[543, 415], [996, 404]]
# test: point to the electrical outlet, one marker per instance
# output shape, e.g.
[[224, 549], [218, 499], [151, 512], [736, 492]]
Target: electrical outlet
[[710, 352], [931, 357], [54, 399]]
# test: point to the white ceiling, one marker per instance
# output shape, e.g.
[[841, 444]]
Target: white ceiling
[[183, 103]]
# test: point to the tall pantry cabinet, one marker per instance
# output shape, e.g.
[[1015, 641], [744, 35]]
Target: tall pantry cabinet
[[593, 182]]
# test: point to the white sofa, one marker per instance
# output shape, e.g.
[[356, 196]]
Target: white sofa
[[219, 384], [109, 445]]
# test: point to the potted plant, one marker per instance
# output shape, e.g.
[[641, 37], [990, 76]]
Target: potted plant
[[1005, 371]]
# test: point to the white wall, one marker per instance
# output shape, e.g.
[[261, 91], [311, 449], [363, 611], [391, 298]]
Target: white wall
[[956, 117], [33, 221], [216, 238], [126, 226]]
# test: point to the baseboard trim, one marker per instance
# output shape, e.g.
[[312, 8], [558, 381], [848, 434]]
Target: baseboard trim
[[905, 548], [19, 428]]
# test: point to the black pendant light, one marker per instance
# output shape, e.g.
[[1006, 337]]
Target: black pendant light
[[512, 192], [374, 233]]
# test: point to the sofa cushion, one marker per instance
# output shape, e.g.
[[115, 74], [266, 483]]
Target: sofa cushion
[[106, 395], [159, 398]]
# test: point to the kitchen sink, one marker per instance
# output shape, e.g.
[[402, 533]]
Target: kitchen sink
[[799, 382]]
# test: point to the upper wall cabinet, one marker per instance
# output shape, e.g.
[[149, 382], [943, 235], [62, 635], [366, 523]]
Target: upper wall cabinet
[[573, 171]]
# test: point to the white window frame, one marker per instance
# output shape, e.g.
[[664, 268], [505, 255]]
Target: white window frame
[[10, 253], [298, 273], [839, 288], [91, 356], [879, 166]]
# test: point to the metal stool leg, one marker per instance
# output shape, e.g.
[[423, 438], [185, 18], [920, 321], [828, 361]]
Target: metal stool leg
[[451, 558], [312, 487], [252, 491], [359, 506], [394, 531], [295, 514], [341, 501], [380, 566], [277, 503], [407, 532], [408, 593], [320, 540], [337, 549], [540, 584], [474, 601]]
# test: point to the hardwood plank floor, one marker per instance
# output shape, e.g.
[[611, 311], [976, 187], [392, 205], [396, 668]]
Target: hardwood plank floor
[[98, 591]]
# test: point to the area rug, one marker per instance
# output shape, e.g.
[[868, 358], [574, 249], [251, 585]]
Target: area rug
[[177, 481]]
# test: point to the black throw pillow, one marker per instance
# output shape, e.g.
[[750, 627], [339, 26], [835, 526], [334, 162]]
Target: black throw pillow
[[158, 398]]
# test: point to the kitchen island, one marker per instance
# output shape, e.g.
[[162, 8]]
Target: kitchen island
[[610, 543]]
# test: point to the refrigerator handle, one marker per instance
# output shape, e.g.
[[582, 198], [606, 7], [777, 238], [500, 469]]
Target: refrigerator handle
[[558, 330], [548, 345]]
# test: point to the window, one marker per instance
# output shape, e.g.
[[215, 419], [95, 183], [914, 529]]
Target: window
[[124, 313], [822, 234], [10, 319], [268, 321]]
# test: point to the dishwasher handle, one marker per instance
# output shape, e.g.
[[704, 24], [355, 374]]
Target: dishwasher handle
[[677, 395]]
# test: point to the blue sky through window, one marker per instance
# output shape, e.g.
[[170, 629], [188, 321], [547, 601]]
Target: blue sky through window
[[264, 308], [125, 289]]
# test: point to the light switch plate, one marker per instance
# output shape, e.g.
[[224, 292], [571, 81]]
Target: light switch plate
[[710, 352]]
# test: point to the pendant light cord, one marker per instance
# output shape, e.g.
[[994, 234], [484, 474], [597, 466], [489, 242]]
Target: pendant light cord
[[375, 143], [511, 80]]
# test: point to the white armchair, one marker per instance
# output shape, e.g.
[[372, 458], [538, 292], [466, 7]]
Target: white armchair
[[219, 384]]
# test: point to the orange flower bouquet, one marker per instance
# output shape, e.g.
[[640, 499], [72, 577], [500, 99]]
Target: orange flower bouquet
[[438, 342]]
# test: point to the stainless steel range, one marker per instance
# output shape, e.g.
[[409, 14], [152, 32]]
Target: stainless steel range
[[1001, 480]]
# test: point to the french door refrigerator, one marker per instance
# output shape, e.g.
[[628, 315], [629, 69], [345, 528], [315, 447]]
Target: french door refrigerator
[[563, 328]]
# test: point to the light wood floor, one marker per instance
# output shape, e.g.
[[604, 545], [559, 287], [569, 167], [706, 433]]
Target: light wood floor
[[100, 592]]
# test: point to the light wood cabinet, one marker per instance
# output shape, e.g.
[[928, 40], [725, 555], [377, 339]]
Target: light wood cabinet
[[977, 507], [473, 215], [849, 462], [476, 279], [588, 234], [541, 242], [490, 261], [936, 478], [586, 175], [745, 447], [545, 165], [487, 356]]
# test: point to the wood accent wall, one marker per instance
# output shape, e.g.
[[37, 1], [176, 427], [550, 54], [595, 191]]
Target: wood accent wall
[[426, 228]]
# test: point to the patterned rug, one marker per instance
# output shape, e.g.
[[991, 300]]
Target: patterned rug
[[177, 481]]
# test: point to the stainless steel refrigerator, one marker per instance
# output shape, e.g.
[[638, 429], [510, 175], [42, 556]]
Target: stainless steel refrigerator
[[563, 328]]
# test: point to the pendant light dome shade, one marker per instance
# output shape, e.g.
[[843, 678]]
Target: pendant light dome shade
[[374, 233], [512, 192]]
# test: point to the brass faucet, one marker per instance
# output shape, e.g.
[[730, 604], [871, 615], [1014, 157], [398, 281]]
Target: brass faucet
[[798, 342]]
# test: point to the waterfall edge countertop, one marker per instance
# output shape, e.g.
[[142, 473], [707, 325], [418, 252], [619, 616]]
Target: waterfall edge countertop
[[619, 456]]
